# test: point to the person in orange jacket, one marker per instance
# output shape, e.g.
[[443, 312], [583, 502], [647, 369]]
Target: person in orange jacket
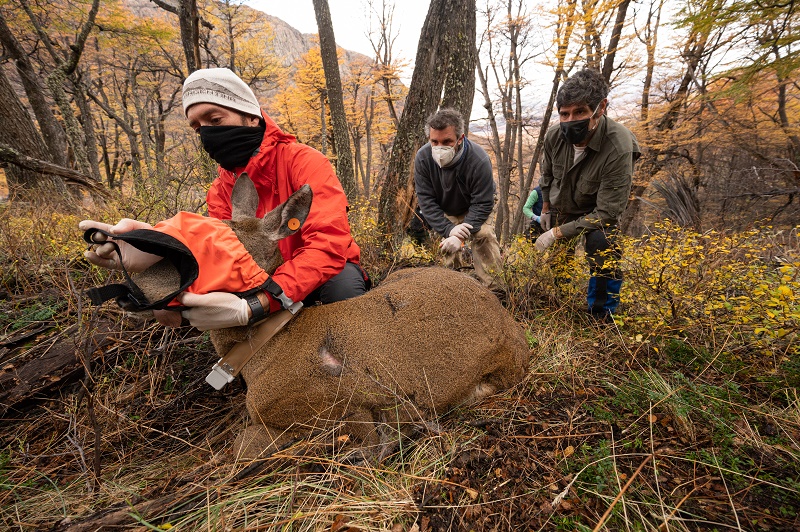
[[321, 261]]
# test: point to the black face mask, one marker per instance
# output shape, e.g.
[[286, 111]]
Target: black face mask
[[576, 131], [231, 146]]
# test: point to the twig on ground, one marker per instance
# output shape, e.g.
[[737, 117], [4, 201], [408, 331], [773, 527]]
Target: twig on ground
[[621, 493]]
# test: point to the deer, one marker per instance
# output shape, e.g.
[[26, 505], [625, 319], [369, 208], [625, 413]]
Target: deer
[[422, 342]]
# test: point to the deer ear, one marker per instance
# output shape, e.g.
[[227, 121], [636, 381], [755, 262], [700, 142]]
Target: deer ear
[[244, 198], [294, 211]]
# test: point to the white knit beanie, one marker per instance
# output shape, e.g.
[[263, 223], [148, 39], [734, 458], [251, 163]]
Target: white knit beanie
[[222, 87]]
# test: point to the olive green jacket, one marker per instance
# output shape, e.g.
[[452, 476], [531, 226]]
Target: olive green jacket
[[597, 186]]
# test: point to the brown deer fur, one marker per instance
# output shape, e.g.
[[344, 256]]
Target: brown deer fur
[[424, 341]]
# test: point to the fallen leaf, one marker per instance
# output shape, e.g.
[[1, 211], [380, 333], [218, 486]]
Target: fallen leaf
[[340, 524]]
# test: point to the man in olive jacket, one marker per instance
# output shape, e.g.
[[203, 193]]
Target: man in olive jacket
[[586, 179]]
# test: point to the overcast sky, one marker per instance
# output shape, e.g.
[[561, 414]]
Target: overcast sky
[[351, 22]]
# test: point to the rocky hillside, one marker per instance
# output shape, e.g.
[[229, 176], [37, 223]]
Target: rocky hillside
[[287, 42]]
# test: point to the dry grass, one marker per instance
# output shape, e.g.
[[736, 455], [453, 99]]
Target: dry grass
[[614, 428]]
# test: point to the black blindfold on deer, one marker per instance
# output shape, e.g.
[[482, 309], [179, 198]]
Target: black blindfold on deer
[[128, 295]]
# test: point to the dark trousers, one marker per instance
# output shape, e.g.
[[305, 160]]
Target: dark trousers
[[603, 255], [351, 282]]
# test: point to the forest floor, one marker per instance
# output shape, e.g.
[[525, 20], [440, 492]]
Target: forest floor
[[108, 424]]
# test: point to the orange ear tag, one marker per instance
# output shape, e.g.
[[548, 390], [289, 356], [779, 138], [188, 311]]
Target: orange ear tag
[[293, 224]]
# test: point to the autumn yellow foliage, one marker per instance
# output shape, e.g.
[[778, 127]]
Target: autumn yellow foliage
[[741, 288], [746, 285]]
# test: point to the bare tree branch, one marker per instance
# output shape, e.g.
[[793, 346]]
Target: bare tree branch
[[11, 156]]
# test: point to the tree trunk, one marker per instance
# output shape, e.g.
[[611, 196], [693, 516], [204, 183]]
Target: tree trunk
[[323, 125], [616, 33], [189, 23], [52, 133], [20, 134], [650, 40], [190, 33], [87, 123], [459, 87], [70, 176], [499, 148], [142, 120], [333, 82], [231, 45], [793, 140], [369, 116]]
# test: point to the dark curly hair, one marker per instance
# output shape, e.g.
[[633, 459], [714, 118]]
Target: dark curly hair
[[585, 86], [443, 118]]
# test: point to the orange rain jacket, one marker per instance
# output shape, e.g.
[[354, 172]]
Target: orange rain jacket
[[224, 264], [324, 244]]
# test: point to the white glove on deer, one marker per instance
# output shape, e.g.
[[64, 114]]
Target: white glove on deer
[[461, 231], [215, 310], [546, 240], [544, 220], [105, 255], [451, 244]]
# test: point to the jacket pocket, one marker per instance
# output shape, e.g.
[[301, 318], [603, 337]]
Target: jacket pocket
[[556, 184], [586, 192]]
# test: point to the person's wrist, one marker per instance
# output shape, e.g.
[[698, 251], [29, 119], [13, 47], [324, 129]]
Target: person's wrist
[[256, 309], [557, 232]]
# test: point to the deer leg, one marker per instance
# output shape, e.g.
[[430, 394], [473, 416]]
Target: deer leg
[[257, 441]]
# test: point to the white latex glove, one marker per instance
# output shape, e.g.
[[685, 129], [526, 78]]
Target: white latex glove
[[105, 256], [215, 310], [451, 244], [544, 220], [461, 231], [545, 240], [536, 219]]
